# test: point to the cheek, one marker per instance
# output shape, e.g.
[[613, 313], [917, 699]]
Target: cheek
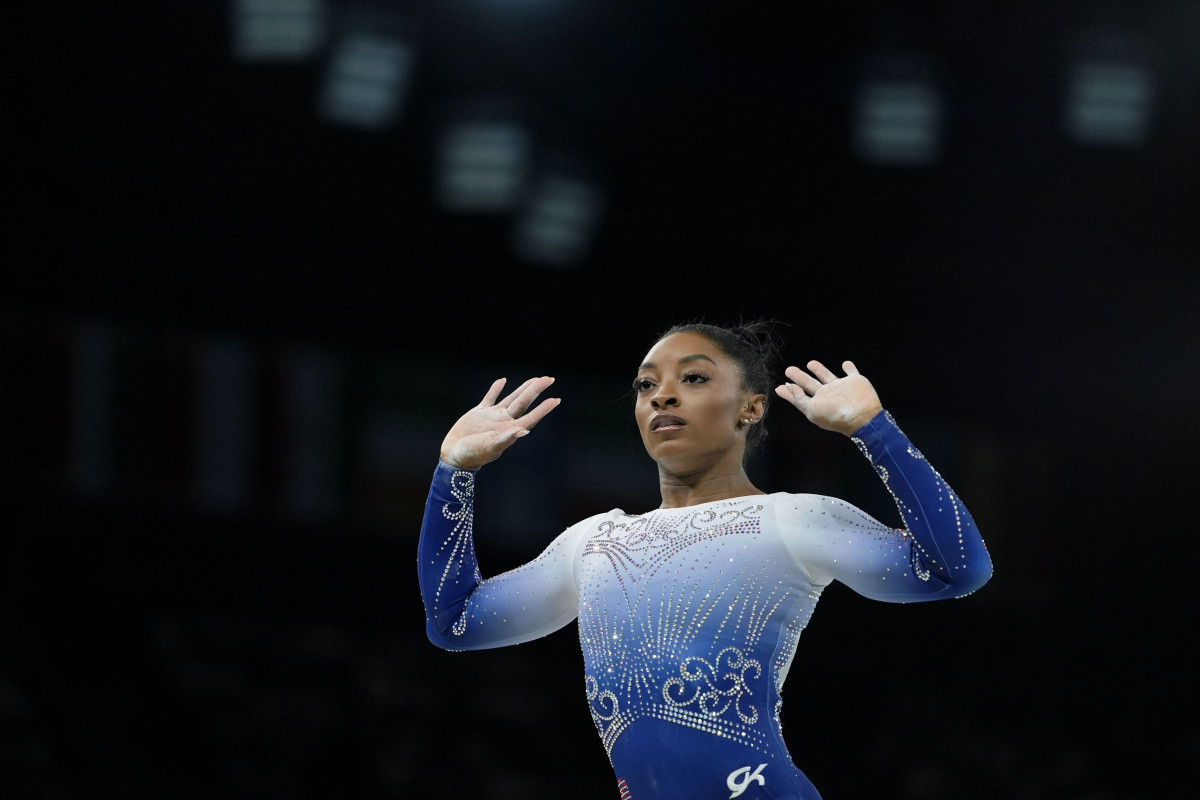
[[720, 416], [641, 413], [731, 412]]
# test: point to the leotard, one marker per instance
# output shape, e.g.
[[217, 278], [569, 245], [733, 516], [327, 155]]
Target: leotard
[[689, 617]]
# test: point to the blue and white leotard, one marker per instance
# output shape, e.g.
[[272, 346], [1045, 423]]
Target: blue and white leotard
[[689, 617]]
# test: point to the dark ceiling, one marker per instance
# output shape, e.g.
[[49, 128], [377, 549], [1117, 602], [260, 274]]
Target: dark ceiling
[[170, 184]]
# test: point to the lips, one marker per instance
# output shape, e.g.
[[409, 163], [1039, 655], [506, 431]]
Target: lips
[[666, 422]]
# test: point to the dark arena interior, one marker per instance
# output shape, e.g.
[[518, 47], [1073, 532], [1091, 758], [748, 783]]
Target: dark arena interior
[[262, 253]]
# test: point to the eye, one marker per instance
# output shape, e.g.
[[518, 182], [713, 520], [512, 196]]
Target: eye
[[694, 377], [642, 384]]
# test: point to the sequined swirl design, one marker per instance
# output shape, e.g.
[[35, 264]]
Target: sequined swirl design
[[674, 606], [714, 688], [920, 555], [460, 542]]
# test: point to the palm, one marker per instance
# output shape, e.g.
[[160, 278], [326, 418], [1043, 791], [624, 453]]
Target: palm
[[835, 404], [487, 430]]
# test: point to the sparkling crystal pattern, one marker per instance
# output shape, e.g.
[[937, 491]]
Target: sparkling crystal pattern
[[689, 618]]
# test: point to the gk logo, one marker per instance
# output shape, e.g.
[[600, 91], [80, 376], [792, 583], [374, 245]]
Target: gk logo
[[739, 779]]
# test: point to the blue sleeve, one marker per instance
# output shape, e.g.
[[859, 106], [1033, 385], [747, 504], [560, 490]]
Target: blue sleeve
[[938, 553], [946, 545], [462, 610]]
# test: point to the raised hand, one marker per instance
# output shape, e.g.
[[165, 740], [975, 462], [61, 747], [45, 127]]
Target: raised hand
[[488, 429], [832, 403]]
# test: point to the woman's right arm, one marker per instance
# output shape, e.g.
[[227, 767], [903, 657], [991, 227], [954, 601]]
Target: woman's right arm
[[463, 611]]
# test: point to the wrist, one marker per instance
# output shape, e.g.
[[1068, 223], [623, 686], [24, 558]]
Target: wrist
[[456, 464], [860, 421]]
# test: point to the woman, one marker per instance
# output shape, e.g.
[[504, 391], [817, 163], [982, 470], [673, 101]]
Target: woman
[[689, 615]]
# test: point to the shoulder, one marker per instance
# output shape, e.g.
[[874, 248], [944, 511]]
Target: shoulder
[[589, 524], [605, 516], [817, 512], [787, 502]]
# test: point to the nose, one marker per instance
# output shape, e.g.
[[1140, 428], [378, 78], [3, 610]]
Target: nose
[[663, 398]]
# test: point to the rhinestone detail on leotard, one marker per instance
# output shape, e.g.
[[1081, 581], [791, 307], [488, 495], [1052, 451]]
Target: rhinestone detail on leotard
[[666, 601]]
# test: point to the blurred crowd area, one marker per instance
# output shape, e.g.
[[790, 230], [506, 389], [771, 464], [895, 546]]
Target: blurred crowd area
[[229, 664], [162, 695]]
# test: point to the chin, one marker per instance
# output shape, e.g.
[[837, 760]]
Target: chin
[[681, 464]]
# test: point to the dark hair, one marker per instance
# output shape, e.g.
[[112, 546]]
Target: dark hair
[[755, 347]]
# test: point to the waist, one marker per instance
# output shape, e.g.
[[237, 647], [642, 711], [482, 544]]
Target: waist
[[662, 760]]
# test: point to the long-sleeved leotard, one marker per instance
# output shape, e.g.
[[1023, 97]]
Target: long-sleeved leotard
[[689, 617]]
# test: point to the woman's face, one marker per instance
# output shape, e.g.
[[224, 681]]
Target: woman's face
[[690, 401]]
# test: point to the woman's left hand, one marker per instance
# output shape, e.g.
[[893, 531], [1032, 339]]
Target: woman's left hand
[[832, 403]]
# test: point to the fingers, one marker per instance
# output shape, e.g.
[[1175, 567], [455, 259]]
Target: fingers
[[493, 392], [822, 372], [796, 374], [524, 395], [792, 393], [514, 394], [521, 397], [535, 416], [482, 434], [523, 425], [803, 385], [802, 379], [511, 435]]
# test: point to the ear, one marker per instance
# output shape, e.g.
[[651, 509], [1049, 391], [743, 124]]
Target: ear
[[755, 406]]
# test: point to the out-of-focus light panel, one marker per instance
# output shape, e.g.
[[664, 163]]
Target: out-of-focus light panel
[[1108, 103], [367, 80], [277, 30], [313, 382], [898, 122], [224, 422], [482, 165], [558, 224]]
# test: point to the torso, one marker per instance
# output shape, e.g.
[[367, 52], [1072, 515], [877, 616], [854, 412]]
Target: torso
[[688, 620]]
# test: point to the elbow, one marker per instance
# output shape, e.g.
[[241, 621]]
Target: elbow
[[972, 578], [444, 639]]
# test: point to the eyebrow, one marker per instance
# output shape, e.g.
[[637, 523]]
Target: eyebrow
[[684, 360]]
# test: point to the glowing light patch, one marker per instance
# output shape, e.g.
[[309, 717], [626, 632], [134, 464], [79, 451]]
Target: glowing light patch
[[367, 80], [277, 30]]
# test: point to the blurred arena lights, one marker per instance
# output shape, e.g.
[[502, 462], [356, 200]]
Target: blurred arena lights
[[1110, 92], [559, 221], [482, 162], [277, 30], [367, 79], [898, 114], [313, 466]]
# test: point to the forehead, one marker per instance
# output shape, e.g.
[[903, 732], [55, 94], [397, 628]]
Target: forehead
[[670, 349]]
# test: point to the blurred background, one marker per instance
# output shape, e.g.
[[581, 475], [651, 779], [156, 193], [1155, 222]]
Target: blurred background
[[262, 253]]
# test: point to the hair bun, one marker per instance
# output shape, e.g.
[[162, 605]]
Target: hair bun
[[764, 336]]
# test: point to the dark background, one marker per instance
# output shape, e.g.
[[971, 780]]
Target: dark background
[[187, 613]]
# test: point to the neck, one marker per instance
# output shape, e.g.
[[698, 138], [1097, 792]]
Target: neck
[[680, 491]]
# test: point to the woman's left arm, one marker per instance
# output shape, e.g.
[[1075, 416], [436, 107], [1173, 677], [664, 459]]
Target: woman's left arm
[[939, 552]]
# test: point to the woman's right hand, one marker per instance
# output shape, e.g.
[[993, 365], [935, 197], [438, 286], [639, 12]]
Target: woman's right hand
[[488, 429]]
